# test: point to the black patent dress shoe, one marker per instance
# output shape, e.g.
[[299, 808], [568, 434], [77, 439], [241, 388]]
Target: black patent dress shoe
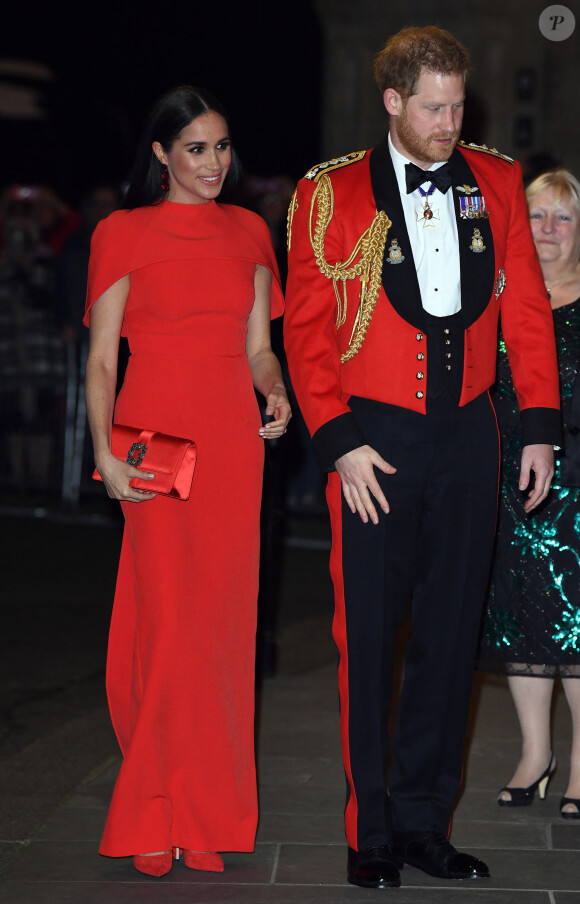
[[373, 867], [435, 855]]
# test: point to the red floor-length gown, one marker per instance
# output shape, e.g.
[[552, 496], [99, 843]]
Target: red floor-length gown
[[180, 670]]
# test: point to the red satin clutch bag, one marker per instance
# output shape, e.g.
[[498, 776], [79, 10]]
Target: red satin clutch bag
[[170, 458]]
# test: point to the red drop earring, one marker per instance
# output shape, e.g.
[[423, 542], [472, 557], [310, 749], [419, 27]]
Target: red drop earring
[[164, 178]]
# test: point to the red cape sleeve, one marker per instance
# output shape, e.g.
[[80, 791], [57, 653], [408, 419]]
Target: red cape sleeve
[[265, 255], [110, 257]]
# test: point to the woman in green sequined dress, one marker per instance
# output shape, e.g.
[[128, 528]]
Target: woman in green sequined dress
[[531, 628]]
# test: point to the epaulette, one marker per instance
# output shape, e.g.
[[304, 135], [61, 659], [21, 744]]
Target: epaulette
[[483, 148], [317, 171]]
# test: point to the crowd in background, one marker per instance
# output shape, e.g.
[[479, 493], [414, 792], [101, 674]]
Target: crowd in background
[[44, 251]]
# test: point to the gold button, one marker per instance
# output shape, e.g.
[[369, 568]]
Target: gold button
[[448, 366], [419, 394], [420, 375], [448, 342], [420, 356], [448, 355], [446, 330], [419, 336]]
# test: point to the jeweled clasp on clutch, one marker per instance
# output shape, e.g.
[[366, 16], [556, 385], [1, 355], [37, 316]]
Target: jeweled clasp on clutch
[[136, 454]]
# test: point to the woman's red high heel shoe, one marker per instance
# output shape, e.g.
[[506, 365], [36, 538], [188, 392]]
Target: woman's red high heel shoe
[[154, 864], [204, 860]]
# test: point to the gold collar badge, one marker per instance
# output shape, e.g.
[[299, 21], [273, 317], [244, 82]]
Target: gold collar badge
[[477, 242], [395, 255]]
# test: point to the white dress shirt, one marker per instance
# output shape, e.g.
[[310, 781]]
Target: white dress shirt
[[434, 242]]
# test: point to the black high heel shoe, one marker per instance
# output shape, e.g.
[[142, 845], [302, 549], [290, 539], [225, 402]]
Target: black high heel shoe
[[570, 800], [523, 797]]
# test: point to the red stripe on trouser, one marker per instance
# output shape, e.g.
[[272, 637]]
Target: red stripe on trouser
[[334, 499]]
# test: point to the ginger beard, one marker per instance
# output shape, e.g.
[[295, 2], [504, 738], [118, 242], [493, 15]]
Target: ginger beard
[[424, 147]]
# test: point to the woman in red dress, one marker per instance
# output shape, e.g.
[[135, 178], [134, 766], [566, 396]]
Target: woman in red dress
[[192, 284]]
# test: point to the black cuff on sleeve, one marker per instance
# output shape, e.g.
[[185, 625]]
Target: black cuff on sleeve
[[541, 425], [335, 438]]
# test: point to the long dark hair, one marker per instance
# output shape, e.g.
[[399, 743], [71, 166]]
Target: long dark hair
[[172, 113]]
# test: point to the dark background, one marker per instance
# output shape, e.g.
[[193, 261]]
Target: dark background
[[111, 61]]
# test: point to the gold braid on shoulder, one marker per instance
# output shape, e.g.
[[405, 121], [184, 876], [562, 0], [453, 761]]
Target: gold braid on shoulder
[[369, 249]]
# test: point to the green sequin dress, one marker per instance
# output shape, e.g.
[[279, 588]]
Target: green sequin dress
[[532, 622]]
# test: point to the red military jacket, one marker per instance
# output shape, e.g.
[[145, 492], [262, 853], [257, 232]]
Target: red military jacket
[[354, 322]]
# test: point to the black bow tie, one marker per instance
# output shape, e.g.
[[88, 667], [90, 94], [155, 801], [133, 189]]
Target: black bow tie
[[415, 176]]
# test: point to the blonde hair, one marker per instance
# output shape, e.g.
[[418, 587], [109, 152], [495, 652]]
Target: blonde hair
[[562, 182]]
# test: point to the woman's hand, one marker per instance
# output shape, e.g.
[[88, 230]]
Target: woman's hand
[[117, 474], [265, 368], [278, 407]]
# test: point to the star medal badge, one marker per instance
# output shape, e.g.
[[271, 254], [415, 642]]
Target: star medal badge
[[426, 213]]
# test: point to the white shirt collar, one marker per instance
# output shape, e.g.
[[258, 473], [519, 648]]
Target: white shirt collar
[[399, 161]]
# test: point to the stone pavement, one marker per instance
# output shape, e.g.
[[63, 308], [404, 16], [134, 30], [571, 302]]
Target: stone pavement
[[300, 853], [58, 756]]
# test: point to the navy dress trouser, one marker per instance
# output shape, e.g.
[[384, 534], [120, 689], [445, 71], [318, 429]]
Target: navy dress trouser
[[434, 548]]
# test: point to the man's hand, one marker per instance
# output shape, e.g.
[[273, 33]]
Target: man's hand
[[356, 470], [539, 458]]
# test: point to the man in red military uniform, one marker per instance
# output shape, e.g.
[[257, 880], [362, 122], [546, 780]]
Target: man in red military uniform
[[401, 261]]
